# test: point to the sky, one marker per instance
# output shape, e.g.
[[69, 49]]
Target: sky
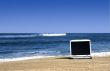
[[54, 16]]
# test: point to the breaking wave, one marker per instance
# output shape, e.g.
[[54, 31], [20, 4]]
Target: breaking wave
[[53, 34], [17, 36], [28, 35], [100, 54]]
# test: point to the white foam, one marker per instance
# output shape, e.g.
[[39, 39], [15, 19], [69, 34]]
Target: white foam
[[100, 54], [17, 36], [53, 34], [23, 58]]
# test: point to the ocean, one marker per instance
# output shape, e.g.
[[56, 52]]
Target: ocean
[[27, 45]]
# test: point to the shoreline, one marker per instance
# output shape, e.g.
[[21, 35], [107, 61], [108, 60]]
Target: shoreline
[[58, 64], [100, 54]]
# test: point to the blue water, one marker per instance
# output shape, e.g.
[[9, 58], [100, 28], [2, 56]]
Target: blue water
[[14, 45]]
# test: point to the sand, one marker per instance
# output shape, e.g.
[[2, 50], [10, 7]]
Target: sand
[[58, 64]]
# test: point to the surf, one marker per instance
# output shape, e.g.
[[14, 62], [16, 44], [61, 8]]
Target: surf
[[53, 34]]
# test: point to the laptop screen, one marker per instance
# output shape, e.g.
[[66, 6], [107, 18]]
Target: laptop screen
[[80, 48]]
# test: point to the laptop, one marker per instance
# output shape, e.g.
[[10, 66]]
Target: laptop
[[80, 48]]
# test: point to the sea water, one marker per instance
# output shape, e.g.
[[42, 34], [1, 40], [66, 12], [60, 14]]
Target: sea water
[[36, 45]]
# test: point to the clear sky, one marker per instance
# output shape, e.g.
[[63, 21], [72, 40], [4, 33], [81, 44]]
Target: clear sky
[[54, 16]]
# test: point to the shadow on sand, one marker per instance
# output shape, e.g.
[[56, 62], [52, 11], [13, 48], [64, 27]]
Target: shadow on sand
[[72, 58]]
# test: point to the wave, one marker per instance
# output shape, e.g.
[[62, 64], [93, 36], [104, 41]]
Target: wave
[[23, 58], [28, 42], [17, 36], [28, 35], [99, 54], [53, 34]]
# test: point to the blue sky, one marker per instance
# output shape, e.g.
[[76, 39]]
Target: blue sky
[[54, 16]]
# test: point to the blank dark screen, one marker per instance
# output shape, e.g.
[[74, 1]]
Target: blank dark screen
[[80, 48]]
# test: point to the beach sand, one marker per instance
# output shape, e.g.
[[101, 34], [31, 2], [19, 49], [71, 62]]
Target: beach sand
[[58, 64]]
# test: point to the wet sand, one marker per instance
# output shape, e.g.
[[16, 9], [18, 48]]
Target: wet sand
[[58, 64]]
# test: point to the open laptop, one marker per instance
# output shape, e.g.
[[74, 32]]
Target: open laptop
[[80, 48]]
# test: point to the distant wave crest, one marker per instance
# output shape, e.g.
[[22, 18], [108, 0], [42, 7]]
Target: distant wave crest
[[30, 35], [16, 36], [53, 34]]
